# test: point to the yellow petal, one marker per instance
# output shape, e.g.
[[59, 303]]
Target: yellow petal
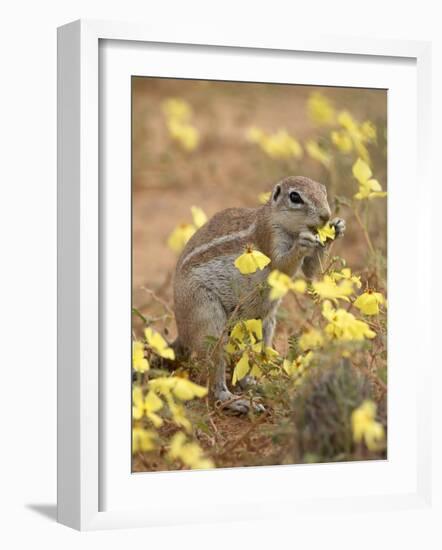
[[311, 339], [280, 284], [368, 130], [158, 344], [185, 390], [178, 109], [264, 197], [137, 396], [156, 420], [142, 440], [190, 453], [342, 140], [255, 135], [162, 384], [361, 171], [152, 402], [326, 232], [299, 286], [377, 195], [185, 134], [254, 327], [199, 217], [366, 428], [242, 368], [328, 289], [139, 362], [316, 152], [347, 121], [369, 302], [250, 261], [179, 416], [320, 109], [374, 185], [270, 352], [180, 236], [256, 372], [176, 444], [290, 367], [137, 412], [374, 436]]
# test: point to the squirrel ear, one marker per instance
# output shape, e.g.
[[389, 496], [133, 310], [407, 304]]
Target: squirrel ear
[[276, 192]]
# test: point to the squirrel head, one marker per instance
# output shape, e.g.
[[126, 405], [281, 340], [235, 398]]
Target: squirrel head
[[299, 204]]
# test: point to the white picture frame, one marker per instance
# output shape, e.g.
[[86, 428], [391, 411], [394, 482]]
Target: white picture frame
[[82, 445]]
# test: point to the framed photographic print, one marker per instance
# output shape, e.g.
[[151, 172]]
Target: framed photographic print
[[235, 287]]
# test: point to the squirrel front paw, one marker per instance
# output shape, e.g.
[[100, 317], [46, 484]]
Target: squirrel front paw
[[308, 241], [339, 225]]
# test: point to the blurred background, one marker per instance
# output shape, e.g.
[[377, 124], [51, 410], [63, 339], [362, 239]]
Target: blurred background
[[221, 162]]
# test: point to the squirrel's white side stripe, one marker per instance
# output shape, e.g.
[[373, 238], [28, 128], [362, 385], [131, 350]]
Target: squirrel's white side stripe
[[220, 240]]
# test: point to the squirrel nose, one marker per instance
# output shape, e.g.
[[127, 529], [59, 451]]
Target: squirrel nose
[[325, 216]]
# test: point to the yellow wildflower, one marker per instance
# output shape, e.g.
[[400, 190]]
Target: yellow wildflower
[[180, 235], [298, 367], [185, 390], [139, 362], [356, 134], [181, 388], [328, 288], [369, 302], [146, 406], [185, 134], [158, 344], [368, 129], [166, 387], [281, 283], [311, 339], [369, 188], [326, 232], [344, 326], [281, 145], [342, 140], [243, 332], [247, 336], [278, 145], [190, 453], [265, 353], [346, 273], [255, 135], [199, 216], [348, 122], [178, 413], [142, 440], [320, 109], [177, 109], [299, 286], [250, 261], [264, 197], [366, 428], [316, 152], [183, 232]]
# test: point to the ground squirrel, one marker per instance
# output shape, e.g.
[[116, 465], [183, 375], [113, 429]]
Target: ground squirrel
[[208, 287]]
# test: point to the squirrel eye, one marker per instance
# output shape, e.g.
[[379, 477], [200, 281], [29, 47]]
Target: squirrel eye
[[296, 198]]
